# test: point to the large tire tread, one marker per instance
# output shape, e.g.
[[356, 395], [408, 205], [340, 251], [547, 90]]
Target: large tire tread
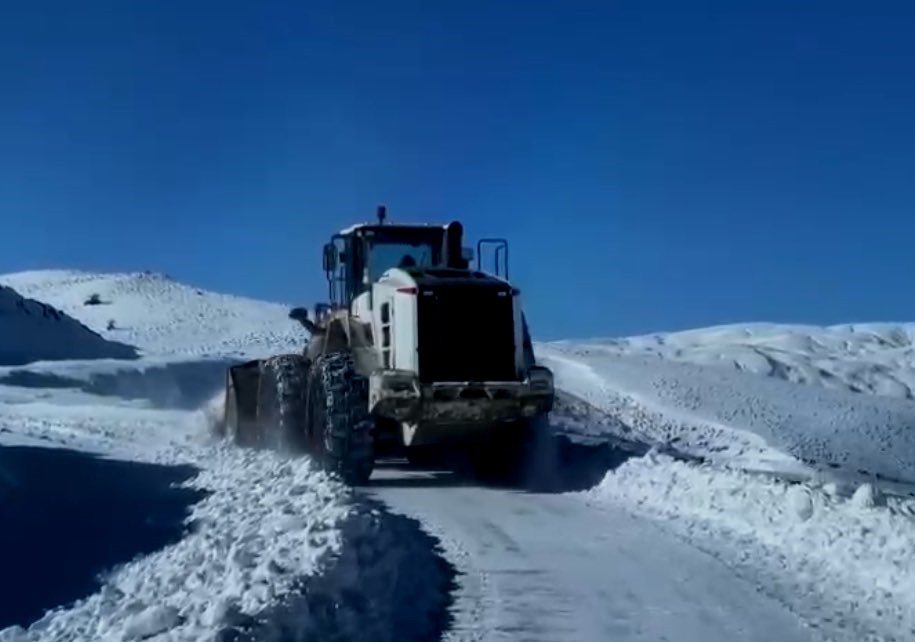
[[340, 421]]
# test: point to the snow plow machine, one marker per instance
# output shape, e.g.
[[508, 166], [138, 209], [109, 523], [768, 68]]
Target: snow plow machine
[[416, 352]]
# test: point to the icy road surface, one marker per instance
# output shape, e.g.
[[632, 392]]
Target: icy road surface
[[550, 567]]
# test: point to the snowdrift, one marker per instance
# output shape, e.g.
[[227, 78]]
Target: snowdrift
[[740, 419], [32, 330], [797, 542], [163, 317]]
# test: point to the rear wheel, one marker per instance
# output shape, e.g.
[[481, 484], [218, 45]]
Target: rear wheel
[[340, 426]]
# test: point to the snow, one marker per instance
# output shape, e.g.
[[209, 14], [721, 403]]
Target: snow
[[741, 419], [163, 317], [877, 358], [264, 524], [798, 542], [800, 456], [549, 567], [33, 330]]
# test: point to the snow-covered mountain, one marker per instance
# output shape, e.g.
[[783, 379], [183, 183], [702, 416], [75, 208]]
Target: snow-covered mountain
[[161, 316], [32, 330]]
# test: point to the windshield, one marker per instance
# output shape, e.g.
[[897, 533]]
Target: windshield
[[384, 255]]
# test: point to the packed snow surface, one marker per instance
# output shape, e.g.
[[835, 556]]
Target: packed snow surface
[[549, 567], [33, 330]]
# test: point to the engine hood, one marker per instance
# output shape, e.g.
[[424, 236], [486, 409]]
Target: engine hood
[[447, 277]]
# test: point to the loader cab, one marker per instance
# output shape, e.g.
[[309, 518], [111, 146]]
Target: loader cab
[[357, 257]]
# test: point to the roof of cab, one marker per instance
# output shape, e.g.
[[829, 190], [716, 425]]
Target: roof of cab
[[359, 226]]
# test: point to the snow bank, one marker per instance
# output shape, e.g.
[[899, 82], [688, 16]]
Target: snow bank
[[271, 546], [797, 542], [266, 523], [877, 358], [33, 331], [36, 507], [163, 317], [737, 418], [389, 583]]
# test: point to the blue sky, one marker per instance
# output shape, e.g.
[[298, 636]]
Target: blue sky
[[655, 165]]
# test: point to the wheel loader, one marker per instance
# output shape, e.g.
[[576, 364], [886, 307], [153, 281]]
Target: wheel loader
[[416, 350]]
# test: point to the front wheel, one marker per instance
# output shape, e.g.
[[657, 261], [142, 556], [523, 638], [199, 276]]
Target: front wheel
[[340, 426]]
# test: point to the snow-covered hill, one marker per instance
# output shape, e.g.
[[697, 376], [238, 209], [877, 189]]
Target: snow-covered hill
[[739, 418], [877, 358], [163, 317], [33, 330]]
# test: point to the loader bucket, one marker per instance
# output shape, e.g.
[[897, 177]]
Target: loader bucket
[[241, 402]]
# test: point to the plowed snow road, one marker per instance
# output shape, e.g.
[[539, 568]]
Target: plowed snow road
[[550, 567]]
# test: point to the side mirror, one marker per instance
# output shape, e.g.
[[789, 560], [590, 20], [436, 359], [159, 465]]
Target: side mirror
[[330, 257]]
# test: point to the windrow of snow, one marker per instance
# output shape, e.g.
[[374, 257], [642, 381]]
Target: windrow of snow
[[264, 525], [797, 542], [163, 317], [740, 419], [877, 358], [31, 331]]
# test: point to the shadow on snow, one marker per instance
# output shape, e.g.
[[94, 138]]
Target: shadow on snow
[[560, 465], [68, 517], [390, 582]]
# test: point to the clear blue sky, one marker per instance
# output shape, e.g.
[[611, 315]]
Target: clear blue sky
[[655, 168]]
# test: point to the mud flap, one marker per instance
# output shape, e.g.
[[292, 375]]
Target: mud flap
[[242, 383]]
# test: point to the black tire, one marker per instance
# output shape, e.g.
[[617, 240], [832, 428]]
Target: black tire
[[281, 403], [340, 426]]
